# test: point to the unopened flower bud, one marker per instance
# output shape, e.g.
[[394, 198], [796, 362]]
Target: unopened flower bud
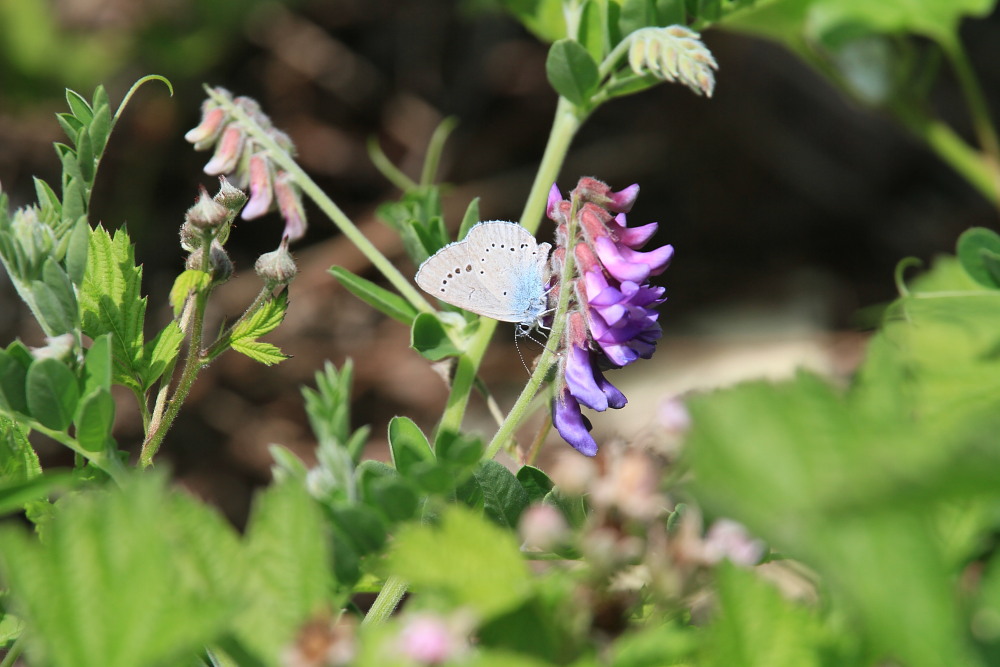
[[261, 187], [227, 152], [212, 121], [207, 213], [290, 205], [219, 264], [276, 267], [229, 195]]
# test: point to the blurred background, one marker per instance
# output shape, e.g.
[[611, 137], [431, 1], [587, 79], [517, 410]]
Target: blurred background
[[788, 204]]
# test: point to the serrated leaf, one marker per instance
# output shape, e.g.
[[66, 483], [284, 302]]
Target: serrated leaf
[[289, 558], [18, 460], [429, 337], [265, 353], [504, 499], [96, 415], [187, 282], [408, 444], [459, 578], [381, 299], [184, 554], [264, 320], [161, 352], [79, 106], [110, 301], [52, 393], [571, 71]]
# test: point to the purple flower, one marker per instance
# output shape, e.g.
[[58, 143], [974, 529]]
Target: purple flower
[[613, 319]]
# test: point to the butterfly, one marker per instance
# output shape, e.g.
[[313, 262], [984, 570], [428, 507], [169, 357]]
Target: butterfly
[[498, 270]]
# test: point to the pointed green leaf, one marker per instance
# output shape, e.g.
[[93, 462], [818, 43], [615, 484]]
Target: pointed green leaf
[[264, 353], [429, 338], [47, 196], [85, 157], [94, 420], [100, 130], [187, 282], [74, 199], [571, 71], [70, 125], [76, 251], [459, 449], [504, 499], [470, 218], [381, 299], [52, 393], [408, 444], [55, 277], [161, 352], [100, 99], [50, 310], [79, 106], [596, 21]]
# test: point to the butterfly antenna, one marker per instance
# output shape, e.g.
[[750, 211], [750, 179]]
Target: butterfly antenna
[[521, 356]]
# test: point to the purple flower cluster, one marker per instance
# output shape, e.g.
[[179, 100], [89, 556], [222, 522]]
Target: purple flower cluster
[[248, 164], [613, 317]]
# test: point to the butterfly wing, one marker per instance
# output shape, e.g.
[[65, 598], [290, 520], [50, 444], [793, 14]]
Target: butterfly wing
[[496, 271]]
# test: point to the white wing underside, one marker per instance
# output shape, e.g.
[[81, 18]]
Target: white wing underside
[[498, 270]]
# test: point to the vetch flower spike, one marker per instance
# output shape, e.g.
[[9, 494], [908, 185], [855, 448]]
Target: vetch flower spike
[[243, 158], [612, 319], [675, 54]]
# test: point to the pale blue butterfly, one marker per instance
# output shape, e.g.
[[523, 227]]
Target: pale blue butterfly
[[498, 270]]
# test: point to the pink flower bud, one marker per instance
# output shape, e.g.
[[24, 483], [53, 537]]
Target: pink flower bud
[[212, 121], [227, 152], [430, 640], [290, 205], [543, 527], [261, 188]]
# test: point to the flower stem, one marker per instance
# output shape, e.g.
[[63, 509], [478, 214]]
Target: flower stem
[[13, 653], [567, 121], [386, 602]]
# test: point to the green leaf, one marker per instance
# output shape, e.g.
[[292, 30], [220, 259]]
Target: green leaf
[[670, 12], [264, 353], [595, 27], [978, 250], [71, 125], [187, 282], [110, 301], [288, 558], [95, 417], [74, 200], [161, 352], [62, 289], [571, 71], [47, 198], [18, 460], [408, 444], [263, 320], [100, 130], [79, 106], [97, 365], [636, 14], [393, 498], [458, 449], [68, 590], [360, 525], [52, 393], [77, 249], [489, 580], [429, 337], [545, 19], [470, 218], [16, 493], [504, 499], [534, 482], [13, 375], [377, 297]]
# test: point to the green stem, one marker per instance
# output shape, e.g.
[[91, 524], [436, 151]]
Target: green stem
[[14, 653], [521, 406], [220, 346], [434, 149], [103, 460], [325, 204], [386, 602], [567, 121], [978, 109]]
